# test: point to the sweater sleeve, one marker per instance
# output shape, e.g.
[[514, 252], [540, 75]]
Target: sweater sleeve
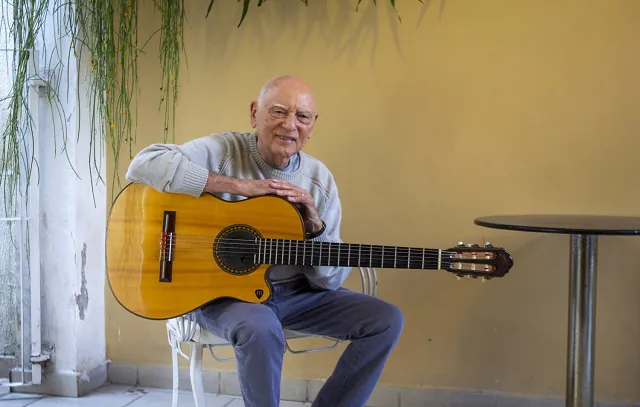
[[179, 168]]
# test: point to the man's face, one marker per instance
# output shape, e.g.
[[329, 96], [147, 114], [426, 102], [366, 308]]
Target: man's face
[[284, 119]]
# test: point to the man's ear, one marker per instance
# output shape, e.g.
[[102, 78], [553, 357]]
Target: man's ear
[[253, 108]]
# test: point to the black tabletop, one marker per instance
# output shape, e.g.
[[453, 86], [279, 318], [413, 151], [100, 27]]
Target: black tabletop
[[568, 224]]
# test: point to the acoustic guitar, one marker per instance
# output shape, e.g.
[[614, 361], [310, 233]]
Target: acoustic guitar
[[168, 254]]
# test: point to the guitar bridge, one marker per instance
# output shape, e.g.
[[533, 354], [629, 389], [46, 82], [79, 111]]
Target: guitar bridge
[[166, 246]]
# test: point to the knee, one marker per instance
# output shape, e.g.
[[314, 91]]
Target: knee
[[265, 332], [391, 318]]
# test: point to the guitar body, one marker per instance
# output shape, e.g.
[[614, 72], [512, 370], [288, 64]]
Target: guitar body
[[145, 226]]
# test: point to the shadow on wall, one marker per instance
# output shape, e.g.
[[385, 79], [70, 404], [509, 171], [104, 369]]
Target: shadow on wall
[[347, 32]]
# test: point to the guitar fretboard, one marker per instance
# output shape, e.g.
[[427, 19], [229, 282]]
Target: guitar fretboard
[[314, 253]]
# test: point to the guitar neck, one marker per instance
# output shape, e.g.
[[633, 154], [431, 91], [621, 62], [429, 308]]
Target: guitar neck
[[314, 253]]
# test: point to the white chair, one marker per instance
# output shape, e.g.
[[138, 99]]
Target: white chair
[[185, 329]]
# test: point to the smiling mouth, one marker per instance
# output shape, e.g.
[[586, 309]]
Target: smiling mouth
[[287, 139]]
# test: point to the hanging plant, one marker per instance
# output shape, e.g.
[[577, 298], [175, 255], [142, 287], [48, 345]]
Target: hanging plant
[[105, 32]]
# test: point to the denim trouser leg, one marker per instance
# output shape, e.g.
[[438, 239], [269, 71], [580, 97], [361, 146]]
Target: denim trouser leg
[[371, 325], [258, 342]]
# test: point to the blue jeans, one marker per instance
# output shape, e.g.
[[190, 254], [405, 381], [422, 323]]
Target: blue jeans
[[371, 325]]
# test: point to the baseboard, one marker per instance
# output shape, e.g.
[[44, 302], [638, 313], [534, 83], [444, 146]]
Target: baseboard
[[65, 384], [160, 376]]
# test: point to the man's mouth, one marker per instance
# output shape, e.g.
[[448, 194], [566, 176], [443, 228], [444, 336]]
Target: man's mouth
[[287, 139]]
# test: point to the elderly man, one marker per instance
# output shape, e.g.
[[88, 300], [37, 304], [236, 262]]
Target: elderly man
[[235, 166]]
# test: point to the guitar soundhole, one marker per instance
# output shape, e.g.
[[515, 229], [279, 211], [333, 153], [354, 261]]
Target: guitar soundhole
[[235, 248]]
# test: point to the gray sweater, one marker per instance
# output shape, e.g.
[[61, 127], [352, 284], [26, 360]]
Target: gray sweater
[[184, 169]]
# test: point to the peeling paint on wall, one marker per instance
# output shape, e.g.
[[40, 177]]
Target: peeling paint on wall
[[82, 299]]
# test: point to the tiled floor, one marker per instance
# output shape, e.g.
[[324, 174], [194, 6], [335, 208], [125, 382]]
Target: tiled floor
[[121, 396]]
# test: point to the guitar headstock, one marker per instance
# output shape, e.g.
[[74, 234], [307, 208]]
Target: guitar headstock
[[473, 260]]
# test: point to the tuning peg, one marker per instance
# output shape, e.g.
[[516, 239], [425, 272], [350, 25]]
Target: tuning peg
[[488, 245], [461, 244]]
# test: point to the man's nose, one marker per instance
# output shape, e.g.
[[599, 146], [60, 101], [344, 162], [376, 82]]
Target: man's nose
[[289, 123]]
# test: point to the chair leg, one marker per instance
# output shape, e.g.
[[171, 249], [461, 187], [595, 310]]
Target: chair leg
[[196, 375], [176, 376]]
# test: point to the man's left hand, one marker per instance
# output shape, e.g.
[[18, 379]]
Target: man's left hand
[[302, 200]]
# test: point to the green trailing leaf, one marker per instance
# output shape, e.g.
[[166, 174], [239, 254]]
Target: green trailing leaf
[[209, 8], [245, 8], [393, 4]]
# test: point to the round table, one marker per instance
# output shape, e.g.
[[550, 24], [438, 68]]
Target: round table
[[584, 231]]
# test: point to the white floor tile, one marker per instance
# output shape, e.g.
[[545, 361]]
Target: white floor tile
[[18, 399], [108, 396], [121, 396], [163, 399]]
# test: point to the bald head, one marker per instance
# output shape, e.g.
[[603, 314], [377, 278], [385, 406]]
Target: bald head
[[283, 115], [288, 82]]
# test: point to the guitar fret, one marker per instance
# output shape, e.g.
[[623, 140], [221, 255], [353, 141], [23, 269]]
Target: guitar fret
[[382, 265], [296, 252], [359, 253], [329, 255], [304, 252], [395, 257], [290, 243], [370, 255], [264, 253], [338, 262], [409, 259], [311, 253], [320, 255], [349, 256], [423, 259], [255, 259]]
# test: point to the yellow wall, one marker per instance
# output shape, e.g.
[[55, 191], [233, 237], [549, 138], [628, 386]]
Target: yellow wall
[[471, 109]]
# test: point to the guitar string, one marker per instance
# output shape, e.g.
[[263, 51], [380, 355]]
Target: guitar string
[[316, 254], [194, 239], [426, 264], [325, 245], [255, 248], [341, 256], [315, 245], [344, 261]]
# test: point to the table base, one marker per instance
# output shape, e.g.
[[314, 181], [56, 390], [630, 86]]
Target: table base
[[582, 309]]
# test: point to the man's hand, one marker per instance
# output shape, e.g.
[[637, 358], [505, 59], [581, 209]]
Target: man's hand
[[217, 183], [302, 200], [250, 188]]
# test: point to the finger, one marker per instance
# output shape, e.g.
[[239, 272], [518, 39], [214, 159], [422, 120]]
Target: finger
[[282, 185], [302, 199]]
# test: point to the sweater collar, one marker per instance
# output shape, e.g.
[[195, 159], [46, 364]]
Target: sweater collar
[[269, 171]]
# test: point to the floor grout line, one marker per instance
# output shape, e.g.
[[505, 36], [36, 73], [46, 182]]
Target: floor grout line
[[134, 400]]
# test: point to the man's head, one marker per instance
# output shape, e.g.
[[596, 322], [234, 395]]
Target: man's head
[[283, 115]]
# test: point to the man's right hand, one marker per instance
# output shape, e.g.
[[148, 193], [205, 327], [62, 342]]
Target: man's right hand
[[217, 183], [260, 187]]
